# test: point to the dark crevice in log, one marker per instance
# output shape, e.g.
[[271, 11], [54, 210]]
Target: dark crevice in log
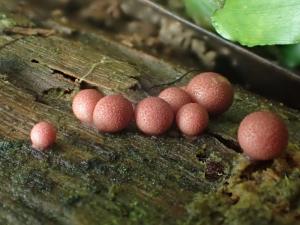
[[86, 85], [254, 167], [64, 91], [229, 143], [214, 170], [73, 79], [35, 61], [66, 76]]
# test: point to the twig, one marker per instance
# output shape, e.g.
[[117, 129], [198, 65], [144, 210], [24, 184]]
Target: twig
[[174, 81], [93, 67]]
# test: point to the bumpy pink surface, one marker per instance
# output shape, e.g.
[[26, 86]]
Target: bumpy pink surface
[[113, 113], [211, 90], [84, 103], [154, 116], [192, 119], [43, 135], [262, 135], [176, 97]]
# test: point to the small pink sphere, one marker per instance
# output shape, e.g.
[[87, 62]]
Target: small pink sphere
[[192, 119], [213, 91], [176, 97], [154, 116], [43, 136], [112, 114], [84, 103], [262, 135]]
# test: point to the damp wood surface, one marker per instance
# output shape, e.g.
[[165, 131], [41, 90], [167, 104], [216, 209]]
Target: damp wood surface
[[89, 178]]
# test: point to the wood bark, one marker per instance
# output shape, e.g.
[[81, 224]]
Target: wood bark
[[127, 178]]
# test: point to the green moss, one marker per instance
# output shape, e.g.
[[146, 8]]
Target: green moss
[[6, 22], [260, 195], [10, 20]]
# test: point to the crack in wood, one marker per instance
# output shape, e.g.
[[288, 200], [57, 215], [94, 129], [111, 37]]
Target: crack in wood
[[77, 81], [63, 74], [229, 143], [10, 43]]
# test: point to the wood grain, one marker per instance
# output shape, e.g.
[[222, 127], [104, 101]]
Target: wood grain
[[128, 178]]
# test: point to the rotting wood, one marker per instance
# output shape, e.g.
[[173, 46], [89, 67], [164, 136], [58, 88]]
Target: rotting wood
[[91, 178]]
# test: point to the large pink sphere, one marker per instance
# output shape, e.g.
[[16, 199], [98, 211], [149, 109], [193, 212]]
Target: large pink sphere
[[212, 91], [176, 97], [192, 119], [262, 135], [43, 135], [84, 103], [113, 113], [154, 116]]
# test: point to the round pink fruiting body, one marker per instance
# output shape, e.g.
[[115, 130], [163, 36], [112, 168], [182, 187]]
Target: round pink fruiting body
[[112, 114], [154, 116], [211, 90], [84, 103], [262, 135], [43, 135], [176, 97], [192, 119]]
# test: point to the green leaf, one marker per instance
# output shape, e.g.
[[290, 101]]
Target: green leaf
[[201, 11], [290, 55], [259, 22]]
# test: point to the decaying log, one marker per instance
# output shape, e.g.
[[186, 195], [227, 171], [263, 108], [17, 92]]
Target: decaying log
[[127, 178]]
